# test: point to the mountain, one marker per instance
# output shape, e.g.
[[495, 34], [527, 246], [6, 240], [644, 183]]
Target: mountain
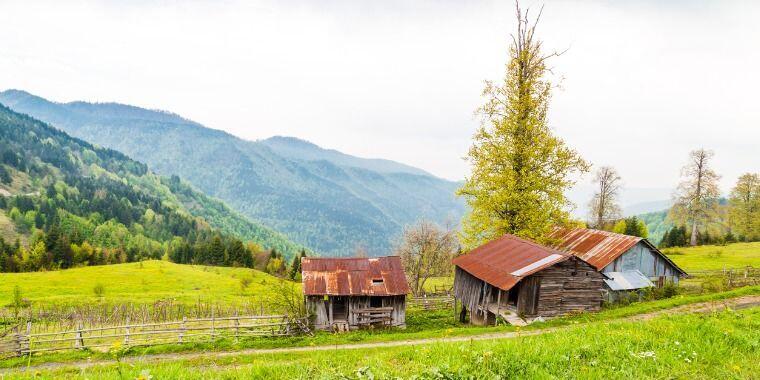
[[329, 201], [65, 192]]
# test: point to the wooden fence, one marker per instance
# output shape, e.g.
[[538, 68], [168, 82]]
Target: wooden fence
[[431, 302], [147, 334], [732, 278]]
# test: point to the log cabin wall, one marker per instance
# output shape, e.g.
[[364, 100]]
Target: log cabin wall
[[567, 287]]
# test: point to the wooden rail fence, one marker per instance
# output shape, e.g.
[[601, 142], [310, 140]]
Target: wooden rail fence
[[147, 334], [431, 302], [734, 277]]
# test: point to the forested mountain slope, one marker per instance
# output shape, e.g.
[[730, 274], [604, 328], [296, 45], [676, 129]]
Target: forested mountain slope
[[76, 203], [326, 200]]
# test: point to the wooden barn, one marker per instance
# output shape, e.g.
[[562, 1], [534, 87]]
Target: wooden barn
[[349, 293], [630, 263], [518, 279]]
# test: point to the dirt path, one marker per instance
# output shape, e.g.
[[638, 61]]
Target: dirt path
[[734, 303]]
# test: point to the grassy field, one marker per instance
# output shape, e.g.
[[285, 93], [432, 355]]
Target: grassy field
[[718, 345], [420, 325], [139, 283], [715, 257]]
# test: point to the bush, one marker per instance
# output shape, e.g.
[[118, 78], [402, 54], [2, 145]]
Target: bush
[[245, 282], [99, 290]]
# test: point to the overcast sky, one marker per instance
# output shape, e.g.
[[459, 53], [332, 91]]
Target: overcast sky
[[642, 84]]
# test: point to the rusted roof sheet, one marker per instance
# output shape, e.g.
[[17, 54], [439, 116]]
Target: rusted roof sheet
[[380, 276], [598, 248], [506, 260]]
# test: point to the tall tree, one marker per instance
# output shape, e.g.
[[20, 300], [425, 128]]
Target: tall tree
[[745, 206], [520, 169], [216, 252], [696, 199], [604, 207], [426, 251]]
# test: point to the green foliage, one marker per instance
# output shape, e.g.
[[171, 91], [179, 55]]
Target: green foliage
[[520, 169]]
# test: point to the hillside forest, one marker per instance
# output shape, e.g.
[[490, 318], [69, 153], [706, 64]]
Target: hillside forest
[[71, 204]]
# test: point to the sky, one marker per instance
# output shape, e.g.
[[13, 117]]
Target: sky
[[641, 84]]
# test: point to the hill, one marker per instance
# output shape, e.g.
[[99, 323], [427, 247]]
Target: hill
[[139, 283], [324, 199], [657, 225], [80, 204], [716, 257]]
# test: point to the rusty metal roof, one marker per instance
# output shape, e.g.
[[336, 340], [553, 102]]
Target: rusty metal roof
[[508, 259], [380, 276], [600, 248]]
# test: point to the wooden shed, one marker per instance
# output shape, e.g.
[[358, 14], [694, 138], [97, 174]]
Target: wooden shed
[[349, 293], [518, 279], [627, 261]]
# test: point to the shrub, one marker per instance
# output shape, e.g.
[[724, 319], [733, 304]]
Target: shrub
[[99, 290], [245, 282]]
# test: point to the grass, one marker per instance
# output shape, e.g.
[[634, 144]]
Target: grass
[[718, 345], [420, 325], [437, 283], [716, 257], [138, 283]]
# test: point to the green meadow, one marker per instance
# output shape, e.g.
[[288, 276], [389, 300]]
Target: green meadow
[[716, 257], [721, 345], [140, 283]]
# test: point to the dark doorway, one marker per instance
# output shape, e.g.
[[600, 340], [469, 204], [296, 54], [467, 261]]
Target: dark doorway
[[340, 312], [375, 302]]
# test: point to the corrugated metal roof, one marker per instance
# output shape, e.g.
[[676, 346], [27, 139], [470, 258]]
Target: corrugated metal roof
[[598, 248], [380, 276], [627, 280], [506, 260]]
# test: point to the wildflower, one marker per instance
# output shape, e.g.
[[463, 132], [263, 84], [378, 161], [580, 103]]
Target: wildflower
[[144, 375], [687, 360], [37, 374], [677, 343]]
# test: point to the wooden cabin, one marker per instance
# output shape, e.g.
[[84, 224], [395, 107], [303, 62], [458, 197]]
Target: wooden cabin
[[518, 279], [630, 263], [350, 293]]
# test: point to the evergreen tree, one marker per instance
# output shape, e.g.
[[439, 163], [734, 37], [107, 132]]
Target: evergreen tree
[[216, 251]]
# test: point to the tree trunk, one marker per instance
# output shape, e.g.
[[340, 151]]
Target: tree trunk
[[694, 233]]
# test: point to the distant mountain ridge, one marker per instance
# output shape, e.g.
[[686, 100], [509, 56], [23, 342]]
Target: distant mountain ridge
[[61, 185], [329, 201]]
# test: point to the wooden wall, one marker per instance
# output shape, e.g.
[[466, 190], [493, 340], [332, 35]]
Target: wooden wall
[[566, 287], [648, 262], [321, 309], [569, 286]]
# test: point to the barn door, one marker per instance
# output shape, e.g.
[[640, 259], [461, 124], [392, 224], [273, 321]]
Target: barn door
[[527, 299]]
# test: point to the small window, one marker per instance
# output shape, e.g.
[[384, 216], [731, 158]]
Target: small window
[[377, 281]]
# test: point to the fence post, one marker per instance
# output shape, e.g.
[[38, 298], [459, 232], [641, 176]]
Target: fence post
[[213, 322], [19, 339], [182, 329], [78, 339], [126, 332], [28, 340], [237, 326]]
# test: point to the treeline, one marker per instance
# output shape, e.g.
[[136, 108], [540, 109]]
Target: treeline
[[84, 205]]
